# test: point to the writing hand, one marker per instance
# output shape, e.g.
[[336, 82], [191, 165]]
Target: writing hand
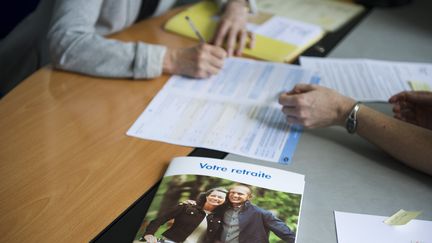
[[200, 61]]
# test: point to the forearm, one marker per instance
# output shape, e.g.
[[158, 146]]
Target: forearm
[[76, 45], [95, 55], [316, 106], [279, 227], [406, 142]]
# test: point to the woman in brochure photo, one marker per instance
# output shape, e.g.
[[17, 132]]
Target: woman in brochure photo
[[192, 223]]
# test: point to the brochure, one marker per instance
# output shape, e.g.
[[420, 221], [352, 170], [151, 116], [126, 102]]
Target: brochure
[[212, 200]]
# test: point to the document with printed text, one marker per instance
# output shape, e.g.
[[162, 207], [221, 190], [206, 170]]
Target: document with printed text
[[235, 111], [367, 80], [291, 31], [330, 15]]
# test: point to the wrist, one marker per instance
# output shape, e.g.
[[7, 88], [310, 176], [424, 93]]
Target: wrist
[[243, 2], [168, 61], [351, 121], [238, 4], [344, 109]]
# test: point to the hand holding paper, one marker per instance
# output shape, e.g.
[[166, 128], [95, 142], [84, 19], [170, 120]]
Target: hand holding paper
[[414, 107], [315, 106]]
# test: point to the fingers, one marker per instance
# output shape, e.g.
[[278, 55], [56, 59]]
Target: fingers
[[200, 61], [295, 97], [231, 33], [416, 97], [251, 43], [236, 39], [231, 41], [403, 105], [397, 97], [242, 42], [292, 120], [216, 51], [301, 88], [291, 111], [212, 56], [419, 97], [221, 32], [209, 61], [396, 108], [232, 28], [290, 100], [294, 108]]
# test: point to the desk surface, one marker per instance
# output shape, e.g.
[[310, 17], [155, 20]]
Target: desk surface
[[67, 168], [346, 173]]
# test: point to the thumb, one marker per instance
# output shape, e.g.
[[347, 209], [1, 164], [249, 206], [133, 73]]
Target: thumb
[[301, 88]]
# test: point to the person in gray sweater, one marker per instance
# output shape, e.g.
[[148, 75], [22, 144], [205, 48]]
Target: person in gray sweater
[[71, 35], [77, 43]]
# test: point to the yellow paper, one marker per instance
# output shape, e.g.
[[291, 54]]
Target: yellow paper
[[202, 15], [402, 217], [419, 86]]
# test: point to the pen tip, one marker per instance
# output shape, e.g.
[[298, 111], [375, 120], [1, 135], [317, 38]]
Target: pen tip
[[187, 17]]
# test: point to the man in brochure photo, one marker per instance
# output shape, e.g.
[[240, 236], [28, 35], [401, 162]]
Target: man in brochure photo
[[244, 221]]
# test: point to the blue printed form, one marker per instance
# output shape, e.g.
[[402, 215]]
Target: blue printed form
[[235, 111]]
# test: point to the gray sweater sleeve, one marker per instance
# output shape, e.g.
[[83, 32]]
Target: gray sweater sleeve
[[76, 46]]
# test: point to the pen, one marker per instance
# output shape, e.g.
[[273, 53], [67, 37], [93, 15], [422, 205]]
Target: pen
[[197, 33]]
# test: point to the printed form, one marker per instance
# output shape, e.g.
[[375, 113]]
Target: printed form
[[291, 31], [330, 15], [368, 80], [235, 111]]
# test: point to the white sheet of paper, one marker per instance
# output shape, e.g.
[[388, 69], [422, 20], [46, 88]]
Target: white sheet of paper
[[330, 15], [290, 31], [360, 228], [367, 80], [235, 111]]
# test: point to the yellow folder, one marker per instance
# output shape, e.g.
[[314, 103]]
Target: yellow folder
[[202, 15]]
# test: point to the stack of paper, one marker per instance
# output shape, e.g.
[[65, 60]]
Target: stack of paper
[[330, 15], [290, 31], [368, 80]]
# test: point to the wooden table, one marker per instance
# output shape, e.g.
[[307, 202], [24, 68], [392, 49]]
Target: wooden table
[[67, 168]]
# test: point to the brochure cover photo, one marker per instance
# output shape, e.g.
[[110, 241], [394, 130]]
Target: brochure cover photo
[[210, 200]]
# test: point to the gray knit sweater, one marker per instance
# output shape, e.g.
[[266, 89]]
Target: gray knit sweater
[[77, 42]]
